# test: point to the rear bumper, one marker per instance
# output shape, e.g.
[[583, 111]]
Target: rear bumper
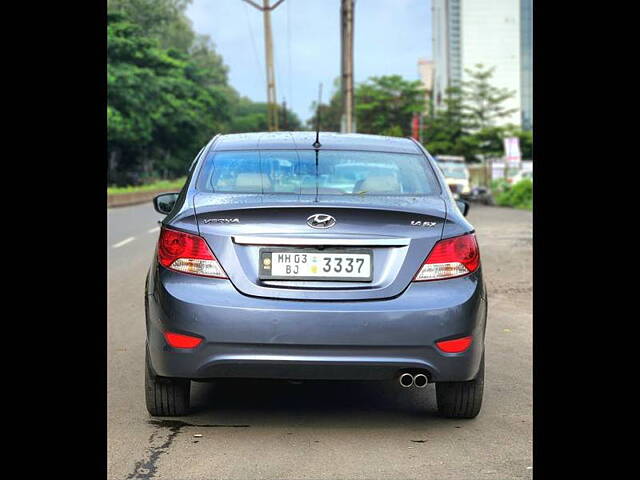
[[263, 338]]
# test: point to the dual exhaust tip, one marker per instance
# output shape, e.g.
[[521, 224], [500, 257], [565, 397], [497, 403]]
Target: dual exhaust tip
[[407, 380]]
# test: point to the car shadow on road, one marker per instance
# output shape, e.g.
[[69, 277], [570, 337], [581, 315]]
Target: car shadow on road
[[312, 403]]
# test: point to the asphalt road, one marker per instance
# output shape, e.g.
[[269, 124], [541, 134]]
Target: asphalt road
[[324, 430]]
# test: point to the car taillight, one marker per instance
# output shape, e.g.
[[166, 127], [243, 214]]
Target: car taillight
[[187, 253], [450, 258]]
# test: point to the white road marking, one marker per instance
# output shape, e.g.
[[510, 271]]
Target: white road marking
[[154, 230], [124, 242]]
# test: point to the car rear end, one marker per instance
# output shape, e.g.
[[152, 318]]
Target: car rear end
[[316, 264]]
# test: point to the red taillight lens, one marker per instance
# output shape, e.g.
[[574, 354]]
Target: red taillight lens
[[187, 253], [177, 340], [457, 345], [450, 258]]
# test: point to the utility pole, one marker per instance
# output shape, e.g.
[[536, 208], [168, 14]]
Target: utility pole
[[346, 23], [272, 103]]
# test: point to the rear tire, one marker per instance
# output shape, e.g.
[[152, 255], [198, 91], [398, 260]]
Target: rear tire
[[461, 399], [165, 397]]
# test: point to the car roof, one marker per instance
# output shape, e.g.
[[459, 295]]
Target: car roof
[[305, 140]]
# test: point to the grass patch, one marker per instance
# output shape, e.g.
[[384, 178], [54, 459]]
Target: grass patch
[[519, 195], [149, 187]]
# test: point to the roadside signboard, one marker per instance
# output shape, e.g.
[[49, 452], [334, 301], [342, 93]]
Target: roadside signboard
[[512, 152]]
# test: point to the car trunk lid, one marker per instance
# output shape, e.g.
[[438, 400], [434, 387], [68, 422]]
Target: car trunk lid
[[399, 231]]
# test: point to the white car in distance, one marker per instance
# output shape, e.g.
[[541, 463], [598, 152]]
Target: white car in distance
[[456, 175]]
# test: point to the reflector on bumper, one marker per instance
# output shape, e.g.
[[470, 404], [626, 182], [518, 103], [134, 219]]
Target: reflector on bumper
[[177, 340], [457, 345]]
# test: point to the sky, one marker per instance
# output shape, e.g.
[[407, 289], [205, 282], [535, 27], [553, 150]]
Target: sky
[[389, 38]]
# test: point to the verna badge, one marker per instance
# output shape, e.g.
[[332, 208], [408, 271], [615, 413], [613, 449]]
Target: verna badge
[[221, 220], [321, 220]]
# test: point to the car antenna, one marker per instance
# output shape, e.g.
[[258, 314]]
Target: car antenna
[[316, 200], [317, 143]]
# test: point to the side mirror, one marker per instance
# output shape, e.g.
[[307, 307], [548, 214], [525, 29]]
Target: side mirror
[[463, 206], [164, 203]]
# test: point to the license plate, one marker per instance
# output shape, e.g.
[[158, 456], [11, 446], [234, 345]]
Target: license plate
[[352, 265]]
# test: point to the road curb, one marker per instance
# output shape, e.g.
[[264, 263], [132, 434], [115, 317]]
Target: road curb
[[134, 198]]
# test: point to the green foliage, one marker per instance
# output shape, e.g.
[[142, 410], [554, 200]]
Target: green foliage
[[526, 143], [484, 103], [499, 185], [162, 104], [385, 105], [489, 141], [168, 92], [519, 195], [161, 19], [207, 67], [249, 116], [393, 131], [444, 130], [466, 125], [149, 187]]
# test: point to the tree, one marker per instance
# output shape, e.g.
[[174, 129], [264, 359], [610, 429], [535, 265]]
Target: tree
[[483, 103], [132, 94], [168, 92], [526, 143], [161, 106], [385, 105], [207, 66], [467, 124], [249, 116], [443, 130], [164, 20]]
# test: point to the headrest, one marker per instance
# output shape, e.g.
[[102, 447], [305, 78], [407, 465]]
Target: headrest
[[380, 184], [254, 182]]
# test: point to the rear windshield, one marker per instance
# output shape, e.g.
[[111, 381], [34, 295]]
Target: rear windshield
[[336, 172]]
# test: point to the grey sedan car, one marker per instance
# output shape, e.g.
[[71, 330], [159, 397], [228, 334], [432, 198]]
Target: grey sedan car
[[287, 258]]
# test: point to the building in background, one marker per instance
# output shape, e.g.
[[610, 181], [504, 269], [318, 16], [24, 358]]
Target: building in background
[[445, 17], [425, 71], [526, 62], [487, 32]]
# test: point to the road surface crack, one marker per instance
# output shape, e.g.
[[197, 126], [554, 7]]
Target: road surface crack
[[146, 468]]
